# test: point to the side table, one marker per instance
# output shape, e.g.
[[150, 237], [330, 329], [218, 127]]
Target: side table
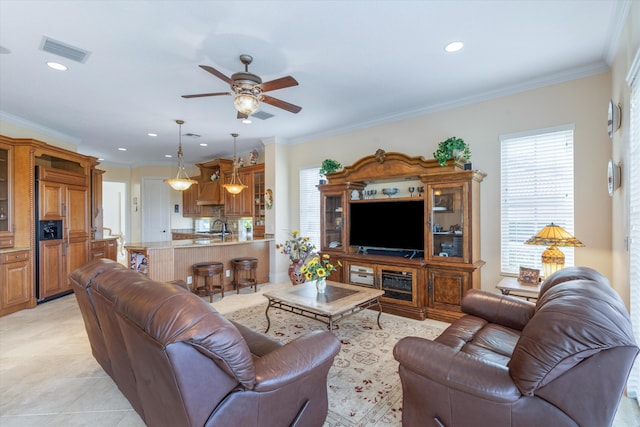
[[512, 286]]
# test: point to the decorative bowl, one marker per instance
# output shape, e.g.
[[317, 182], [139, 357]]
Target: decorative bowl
[[389, 191]]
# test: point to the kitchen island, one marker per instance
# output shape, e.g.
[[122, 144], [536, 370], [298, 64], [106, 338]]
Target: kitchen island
[[173, 260]]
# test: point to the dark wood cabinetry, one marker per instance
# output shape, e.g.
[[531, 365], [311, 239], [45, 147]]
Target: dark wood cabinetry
[[417, 284]]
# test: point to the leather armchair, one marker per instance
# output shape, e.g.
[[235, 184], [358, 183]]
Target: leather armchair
[[561, 362]]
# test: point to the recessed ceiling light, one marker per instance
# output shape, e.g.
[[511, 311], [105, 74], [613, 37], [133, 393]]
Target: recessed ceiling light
[[57, 66], [167, 155], [152, 134], [122, 149], [100, 159], [454, 46], [204, 145], [246, 121]]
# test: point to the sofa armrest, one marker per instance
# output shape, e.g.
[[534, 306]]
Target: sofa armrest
[[295, 360], [503, 310], [456, 370], [259, 344], [181, 284]]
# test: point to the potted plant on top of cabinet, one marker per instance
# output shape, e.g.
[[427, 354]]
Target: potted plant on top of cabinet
[[328, 166], [452, 148]]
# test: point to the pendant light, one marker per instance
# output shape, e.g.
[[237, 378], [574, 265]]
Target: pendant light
[[235, 186], [182, 181]]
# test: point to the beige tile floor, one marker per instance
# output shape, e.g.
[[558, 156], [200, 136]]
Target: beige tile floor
[[49, 378]]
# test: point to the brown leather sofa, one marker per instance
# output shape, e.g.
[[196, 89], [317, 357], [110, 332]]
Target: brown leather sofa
[[181, 363], [561, 362]]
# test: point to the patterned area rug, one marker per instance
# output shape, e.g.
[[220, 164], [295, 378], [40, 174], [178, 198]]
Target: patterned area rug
[[364, 386]]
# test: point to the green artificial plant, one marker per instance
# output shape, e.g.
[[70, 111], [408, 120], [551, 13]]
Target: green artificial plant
[[452, 148], [329, 166]]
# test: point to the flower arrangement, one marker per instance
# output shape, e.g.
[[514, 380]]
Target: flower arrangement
[[318, 267], [297, 247]]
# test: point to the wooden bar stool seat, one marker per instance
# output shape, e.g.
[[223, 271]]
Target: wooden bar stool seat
[[210, 271], [244, 273]]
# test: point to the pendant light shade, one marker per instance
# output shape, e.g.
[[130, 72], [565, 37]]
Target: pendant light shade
[[235, 186], [182, 181]]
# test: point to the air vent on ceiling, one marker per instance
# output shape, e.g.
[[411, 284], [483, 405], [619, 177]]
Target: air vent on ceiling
[[262, 115], [64, 50]]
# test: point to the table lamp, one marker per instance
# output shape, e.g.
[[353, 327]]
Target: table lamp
[[553, 236]]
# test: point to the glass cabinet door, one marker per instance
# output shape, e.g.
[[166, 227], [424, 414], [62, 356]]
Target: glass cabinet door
[[332, 221], [4, 189], [447, 221]]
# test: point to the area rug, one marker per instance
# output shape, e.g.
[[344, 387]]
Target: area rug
[[363, 386]]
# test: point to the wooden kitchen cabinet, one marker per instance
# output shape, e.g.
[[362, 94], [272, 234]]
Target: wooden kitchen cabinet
[[15, 274], [239, 205], [63, 195], [105, 248]]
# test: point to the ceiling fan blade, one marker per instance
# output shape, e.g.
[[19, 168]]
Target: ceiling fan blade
[[217, 73], [280, 83], [200, 95], [242, 116], [280, 104]]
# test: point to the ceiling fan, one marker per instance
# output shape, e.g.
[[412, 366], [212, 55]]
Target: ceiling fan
[[248, 89]]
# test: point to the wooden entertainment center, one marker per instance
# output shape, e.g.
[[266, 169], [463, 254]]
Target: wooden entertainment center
[[417, 284]]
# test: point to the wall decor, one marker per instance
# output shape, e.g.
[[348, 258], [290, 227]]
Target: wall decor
[[268, 198], [613, 176], [613, 123]]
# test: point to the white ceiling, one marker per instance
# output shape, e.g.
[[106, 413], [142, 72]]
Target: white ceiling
[[358, 63]]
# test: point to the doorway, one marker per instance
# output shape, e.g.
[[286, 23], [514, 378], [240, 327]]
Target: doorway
[[114, 215], [155, 225]]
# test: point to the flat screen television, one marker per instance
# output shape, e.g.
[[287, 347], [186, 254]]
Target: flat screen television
[[394, 225]]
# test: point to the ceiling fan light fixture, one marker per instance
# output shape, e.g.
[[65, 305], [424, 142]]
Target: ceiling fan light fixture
[[246, 103], [235, 186], [182, 181]]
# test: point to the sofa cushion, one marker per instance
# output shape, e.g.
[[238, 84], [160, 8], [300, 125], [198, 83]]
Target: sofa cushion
[[171, 314], [574, 319]]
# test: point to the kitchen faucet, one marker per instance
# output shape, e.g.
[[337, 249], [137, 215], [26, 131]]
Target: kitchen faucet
[[224, 226]]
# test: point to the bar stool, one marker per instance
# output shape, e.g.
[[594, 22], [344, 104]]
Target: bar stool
[[244, 273], [208, 270]]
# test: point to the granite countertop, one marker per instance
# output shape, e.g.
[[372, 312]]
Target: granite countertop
[[194, 243]]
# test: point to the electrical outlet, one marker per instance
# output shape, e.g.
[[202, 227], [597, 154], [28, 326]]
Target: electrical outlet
[[189, 280], [228, 273]]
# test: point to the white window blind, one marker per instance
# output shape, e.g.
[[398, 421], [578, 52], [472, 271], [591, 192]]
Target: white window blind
[[633, 386], [536, 190], [310, 205]]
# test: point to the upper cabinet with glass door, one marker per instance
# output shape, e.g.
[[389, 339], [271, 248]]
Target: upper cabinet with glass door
[[6, 227], [447, 204]]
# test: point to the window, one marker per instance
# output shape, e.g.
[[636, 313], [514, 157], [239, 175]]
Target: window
[[310, 205], [536, 190], [633, 386]]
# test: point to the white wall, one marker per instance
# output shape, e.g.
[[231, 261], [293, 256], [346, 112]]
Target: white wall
[[619, 145]]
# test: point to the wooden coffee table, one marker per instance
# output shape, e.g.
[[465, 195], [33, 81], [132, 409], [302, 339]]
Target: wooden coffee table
[[338, 301]]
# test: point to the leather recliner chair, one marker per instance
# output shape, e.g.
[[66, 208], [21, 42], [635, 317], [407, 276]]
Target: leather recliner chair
[[181, 363], [561, 362]]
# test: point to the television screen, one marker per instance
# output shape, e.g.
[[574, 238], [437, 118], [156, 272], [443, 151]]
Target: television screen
[[387, 224]]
